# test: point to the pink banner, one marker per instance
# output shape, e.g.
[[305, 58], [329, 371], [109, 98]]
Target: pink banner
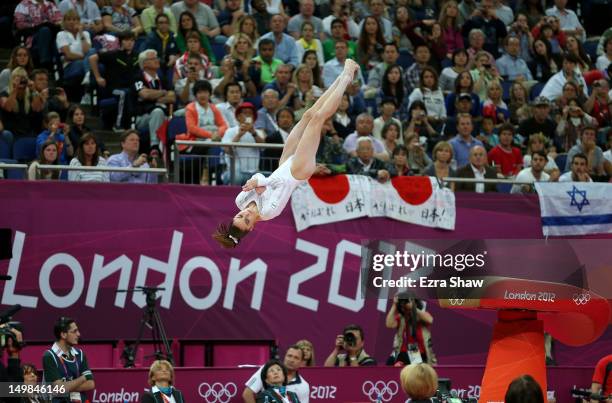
[[224, 385], [76, 244]]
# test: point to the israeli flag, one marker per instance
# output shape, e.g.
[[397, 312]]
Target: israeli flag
[[575, 208]]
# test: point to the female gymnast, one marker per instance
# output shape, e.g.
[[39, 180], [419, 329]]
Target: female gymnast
[[264, 198]]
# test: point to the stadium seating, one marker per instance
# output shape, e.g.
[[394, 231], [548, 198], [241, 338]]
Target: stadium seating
[[12, 173], [24, 149], [5, 149]]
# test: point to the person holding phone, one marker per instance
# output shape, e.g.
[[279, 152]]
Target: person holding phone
[[246, 160]]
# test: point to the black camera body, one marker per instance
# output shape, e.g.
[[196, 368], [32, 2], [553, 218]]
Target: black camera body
[[238, 63], [6, 334], [403, 301], [349, 339]]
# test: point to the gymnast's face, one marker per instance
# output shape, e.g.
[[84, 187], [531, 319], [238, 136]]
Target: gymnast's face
[[244, 220]]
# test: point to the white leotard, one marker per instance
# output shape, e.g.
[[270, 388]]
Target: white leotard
[[279, 187]]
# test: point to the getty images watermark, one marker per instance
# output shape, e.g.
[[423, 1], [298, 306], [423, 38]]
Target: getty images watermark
[[407, 261], [517, 271]]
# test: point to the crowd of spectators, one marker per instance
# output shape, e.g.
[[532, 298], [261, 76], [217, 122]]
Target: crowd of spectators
[[472, 89]]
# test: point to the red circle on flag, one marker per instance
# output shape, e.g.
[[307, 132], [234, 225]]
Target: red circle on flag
[[331, 189], [413, 190]]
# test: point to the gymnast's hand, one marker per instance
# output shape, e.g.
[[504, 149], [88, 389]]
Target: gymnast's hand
[[250, 185]]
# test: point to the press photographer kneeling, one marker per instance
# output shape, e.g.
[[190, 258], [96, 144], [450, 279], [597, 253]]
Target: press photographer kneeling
[[412, 341]]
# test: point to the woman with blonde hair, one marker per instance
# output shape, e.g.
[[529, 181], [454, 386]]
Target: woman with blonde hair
[[483, 73], [74, 45], [16, 107], [304, 83], [308, 351], [442, 155], [20, 57], [419, 381], [161, 380], [245, 25], [243, 48]]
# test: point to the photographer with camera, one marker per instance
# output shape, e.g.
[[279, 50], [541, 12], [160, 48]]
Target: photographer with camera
[[64, 364], [11, 339], [351, 342], [412, 341]]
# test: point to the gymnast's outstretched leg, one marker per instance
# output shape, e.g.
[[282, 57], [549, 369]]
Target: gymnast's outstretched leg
[[298, 130], [304, 160]]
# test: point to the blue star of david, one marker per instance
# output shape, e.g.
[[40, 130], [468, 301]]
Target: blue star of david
[[574, 202]]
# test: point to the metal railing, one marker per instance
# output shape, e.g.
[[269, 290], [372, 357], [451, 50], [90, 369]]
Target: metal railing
[[179, 164], [156, 171], [485, 181]]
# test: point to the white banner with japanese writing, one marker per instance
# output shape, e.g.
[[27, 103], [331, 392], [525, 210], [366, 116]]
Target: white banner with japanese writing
[[412, 199]]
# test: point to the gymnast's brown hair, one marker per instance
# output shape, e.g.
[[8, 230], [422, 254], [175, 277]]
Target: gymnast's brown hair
[[228, 235]]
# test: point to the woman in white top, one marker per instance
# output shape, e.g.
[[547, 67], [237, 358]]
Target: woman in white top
[[264, 198], [431, 95], [74, 44], [449, 74], [88, 155]]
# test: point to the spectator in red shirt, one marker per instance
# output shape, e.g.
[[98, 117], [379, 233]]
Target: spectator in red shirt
[[508, 159]]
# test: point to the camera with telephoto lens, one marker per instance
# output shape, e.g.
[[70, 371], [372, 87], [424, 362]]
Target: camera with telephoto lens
[[238, 63], [349, 339]]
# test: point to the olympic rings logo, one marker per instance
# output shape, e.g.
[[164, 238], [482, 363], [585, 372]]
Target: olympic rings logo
[[379, 390], [217, 392], [581, 299], [456, 301]]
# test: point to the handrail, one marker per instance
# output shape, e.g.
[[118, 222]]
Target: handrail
[[103, 169], [13, 166], [230, 144], [495, 181]]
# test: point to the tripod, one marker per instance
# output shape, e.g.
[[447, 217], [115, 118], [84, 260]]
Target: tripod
[[152, 320]]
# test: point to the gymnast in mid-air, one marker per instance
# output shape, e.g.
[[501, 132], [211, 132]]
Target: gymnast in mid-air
[[264, 198]]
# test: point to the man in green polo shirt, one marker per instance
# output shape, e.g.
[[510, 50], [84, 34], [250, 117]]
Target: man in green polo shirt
[[64, 364], [338, 32], [266, 61]]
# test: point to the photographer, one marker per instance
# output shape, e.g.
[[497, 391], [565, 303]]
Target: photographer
[[351, 342], [412, 341], [64, 364], [12, 372]]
